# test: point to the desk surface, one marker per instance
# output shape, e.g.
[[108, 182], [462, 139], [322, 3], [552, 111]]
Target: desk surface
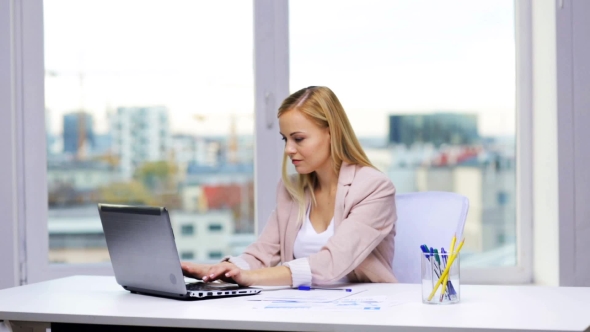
[[99, 300]]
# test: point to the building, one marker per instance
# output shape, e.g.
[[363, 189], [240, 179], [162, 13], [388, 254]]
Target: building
[[224, 186], [76, 235], [488, 180], [203, 236], [189, 151], [76, 181], [102, 144], [78, 133], [140, 134], [437, 129]]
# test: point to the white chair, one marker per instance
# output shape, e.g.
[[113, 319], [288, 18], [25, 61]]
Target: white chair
[[430, 218]]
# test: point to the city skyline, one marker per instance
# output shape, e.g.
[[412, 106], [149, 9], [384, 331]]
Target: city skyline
[[458, 56]]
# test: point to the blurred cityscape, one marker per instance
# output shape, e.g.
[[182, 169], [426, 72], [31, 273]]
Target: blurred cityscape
[[207, 182]]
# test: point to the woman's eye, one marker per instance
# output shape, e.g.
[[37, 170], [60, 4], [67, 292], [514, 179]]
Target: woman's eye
[[283, 139], [298, 140]]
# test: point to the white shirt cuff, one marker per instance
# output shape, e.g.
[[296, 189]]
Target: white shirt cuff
[[300, 272], [237, 261]]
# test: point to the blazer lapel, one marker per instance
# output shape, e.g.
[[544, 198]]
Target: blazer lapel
[[293, 227], [345, 178]]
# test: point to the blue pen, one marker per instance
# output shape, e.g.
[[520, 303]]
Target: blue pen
[[308, 288], [444, 254], [437, 257], [425, 251], [434, 254], [428, 253]]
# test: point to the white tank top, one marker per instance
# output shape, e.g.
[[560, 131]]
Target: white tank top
[[308, 241]]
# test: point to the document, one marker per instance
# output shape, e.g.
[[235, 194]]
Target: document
[[310, 296], [375, 303]]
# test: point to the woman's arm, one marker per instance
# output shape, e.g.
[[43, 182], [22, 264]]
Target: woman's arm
[[269, 276], [265, 251]]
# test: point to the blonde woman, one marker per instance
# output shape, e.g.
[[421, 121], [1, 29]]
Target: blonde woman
[[334, 221]]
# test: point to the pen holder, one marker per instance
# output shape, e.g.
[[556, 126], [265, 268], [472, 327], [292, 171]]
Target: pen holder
[[432, 267]]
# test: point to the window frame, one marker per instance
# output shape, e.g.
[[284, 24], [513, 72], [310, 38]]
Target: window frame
[[522, 273], [10, 234], [270, 80], [271, 71]]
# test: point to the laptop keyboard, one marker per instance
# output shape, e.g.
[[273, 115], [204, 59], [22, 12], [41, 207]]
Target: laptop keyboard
[[198, 286]]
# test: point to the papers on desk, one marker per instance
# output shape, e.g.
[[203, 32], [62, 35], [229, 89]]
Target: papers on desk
[[311, 296], [375, 303], [318, 299]]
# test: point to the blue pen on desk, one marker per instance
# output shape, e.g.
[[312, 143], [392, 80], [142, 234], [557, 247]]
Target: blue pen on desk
[[308, 288]]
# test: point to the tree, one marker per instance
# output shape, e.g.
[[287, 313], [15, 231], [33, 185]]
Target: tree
[[131, 193], [157, 175]]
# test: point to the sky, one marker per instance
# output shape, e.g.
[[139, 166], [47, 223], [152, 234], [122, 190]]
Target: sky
[[196, 57]]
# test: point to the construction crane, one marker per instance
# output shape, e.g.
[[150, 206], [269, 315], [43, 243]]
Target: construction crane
[[81, 150], [82, 116], [232, 135]]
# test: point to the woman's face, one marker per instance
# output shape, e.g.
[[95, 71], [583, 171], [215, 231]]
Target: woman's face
[[306, 144]]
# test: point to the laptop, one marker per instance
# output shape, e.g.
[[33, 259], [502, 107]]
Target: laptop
[[145, 260]]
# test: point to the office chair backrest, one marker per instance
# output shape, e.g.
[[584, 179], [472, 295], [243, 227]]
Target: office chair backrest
[[430, 218]]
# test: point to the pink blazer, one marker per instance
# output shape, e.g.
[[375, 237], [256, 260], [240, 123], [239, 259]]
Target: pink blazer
[[364, 228]]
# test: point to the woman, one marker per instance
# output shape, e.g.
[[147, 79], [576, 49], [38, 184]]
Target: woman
[[334, 221]]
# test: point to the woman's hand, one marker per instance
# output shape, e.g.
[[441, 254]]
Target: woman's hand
[[192, 270], [229, 272]]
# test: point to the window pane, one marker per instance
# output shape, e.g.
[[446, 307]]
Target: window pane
[[149, 103], [429, 87], [215, 228], [187, 230]]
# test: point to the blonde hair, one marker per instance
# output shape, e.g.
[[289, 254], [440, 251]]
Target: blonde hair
[[320, 105]]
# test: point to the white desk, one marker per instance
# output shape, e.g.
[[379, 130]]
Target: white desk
[[99, 300]]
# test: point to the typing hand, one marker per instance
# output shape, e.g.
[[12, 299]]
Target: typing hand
[[229, 272], [192, 270]]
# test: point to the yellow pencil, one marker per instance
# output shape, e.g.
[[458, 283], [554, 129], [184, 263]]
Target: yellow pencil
[[453, 244], [446, 271], [452, 247]]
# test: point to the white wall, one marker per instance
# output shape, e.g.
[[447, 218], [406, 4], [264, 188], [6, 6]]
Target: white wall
[[581, 139]]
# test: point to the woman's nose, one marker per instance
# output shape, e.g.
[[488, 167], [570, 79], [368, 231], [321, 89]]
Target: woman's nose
[[289, 149]]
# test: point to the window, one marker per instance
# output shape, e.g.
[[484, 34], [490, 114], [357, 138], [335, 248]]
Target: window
[[183, 86], [215, 227], [77, 67], [429, 88], [187, 255], [187, 229], [215, 255]]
